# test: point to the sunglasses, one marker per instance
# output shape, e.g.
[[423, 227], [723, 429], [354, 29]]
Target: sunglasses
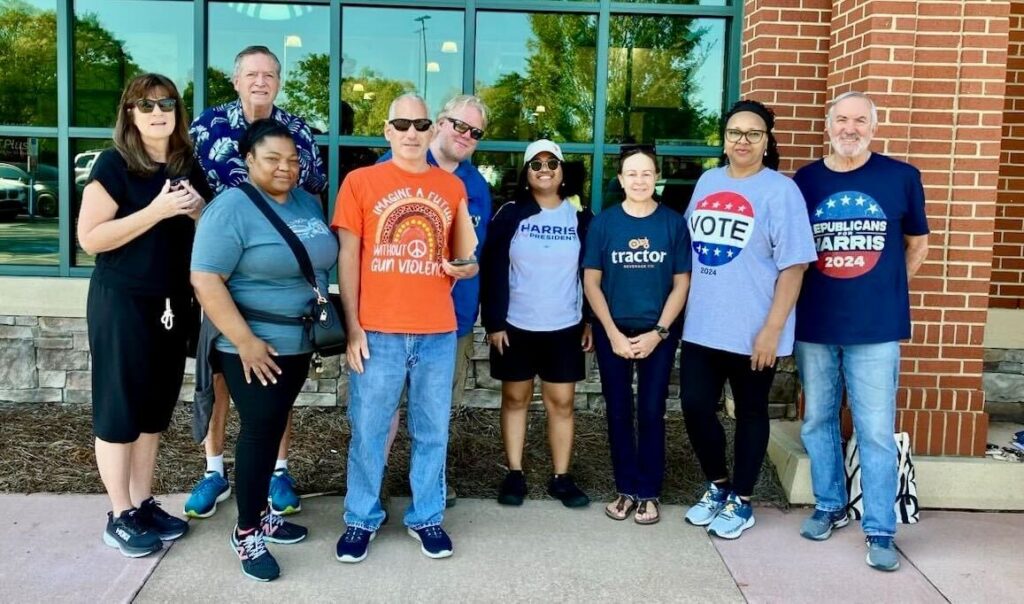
[[166, 105], [552, 164], [753, 136], [401, 124], [462, 127]]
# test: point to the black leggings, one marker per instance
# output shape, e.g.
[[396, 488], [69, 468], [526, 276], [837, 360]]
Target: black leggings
[[263, 411], [702, 374]]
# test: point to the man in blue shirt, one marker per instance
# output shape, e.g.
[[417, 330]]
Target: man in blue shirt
[[215, 135], [460, 124], [870, 229]]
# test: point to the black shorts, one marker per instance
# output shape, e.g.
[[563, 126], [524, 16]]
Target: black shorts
[[555, 356], [137, 364]]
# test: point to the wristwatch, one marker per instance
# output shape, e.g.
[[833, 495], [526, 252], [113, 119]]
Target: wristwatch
[[661, 331]]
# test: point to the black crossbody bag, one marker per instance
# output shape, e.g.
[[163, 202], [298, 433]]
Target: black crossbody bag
[[322, 323]]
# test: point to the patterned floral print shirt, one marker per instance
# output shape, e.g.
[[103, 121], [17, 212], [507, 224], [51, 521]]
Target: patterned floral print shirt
[[216, 132]]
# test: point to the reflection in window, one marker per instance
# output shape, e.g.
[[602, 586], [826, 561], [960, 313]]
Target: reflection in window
[[387, 52], [501, 171], [28, 63], [665, 80], [677, 177], [299, 36], [690, 2], [536, 73], [28, 201], [115, 40], [85, 151]]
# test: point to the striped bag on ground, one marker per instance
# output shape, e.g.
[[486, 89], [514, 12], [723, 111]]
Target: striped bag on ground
[[906, 504]]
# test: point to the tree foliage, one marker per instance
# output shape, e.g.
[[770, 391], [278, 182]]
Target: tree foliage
[[28, 65]]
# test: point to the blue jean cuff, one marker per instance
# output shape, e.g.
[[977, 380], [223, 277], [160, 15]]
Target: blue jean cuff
[[417, 527], [889, 535], [365, 527]]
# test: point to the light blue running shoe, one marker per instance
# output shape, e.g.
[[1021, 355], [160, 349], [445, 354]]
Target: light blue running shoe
[[282, 498], [736, 516], [705, 510], [882, 553], [208, 492]]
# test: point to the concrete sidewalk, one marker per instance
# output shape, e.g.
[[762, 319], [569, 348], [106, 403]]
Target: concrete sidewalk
[[542, 551]]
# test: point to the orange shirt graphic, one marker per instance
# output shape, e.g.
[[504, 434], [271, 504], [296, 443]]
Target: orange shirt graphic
[[404, 220]]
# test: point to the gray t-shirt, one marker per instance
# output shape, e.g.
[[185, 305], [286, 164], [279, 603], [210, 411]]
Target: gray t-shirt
[[234, 238], [744, 233], [544, 268]]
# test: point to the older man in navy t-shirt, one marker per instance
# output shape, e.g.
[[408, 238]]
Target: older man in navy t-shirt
[[868, 218]]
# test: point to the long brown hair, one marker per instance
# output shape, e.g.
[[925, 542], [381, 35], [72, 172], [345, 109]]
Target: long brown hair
[[128, 140]]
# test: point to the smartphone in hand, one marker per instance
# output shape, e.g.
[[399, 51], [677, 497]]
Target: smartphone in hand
[[462, 261], [178, 183]]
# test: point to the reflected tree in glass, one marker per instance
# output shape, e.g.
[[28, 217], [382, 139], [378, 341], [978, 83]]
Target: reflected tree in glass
[[28, 65], [102, 67]]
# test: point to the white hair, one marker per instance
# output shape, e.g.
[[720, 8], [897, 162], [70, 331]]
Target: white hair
[[249, 51], [464, 100], [852, 94], [406, 97]]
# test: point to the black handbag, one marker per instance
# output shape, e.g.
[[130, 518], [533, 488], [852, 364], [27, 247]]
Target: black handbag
[[322, 322]]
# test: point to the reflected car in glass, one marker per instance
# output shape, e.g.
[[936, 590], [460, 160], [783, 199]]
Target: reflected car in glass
[[38, 190]]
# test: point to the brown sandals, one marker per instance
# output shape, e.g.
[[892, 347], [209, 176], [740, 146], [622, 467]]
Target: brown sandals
[[643, 509], [621, 508]]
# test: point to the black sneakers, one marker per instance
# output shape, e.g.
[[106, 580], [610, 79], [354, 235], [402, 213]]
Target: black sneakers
[[278, 530], [563, 488], [166, 526], [513, 488], [127, 533], [257, 563]]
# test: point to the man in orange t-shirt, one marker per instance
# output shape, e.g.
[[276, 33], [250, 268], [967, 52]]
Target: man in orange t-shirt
[[400, 223]]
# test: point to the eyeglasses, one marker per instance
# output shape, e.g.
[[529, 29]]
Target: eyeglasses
[[462, 127], [627, 150], [402, 124], [166, 105], [552, 164], [753, 136]]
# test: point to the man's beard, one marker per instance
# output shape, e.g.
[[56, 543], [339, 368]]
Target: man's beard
[[840, 148]]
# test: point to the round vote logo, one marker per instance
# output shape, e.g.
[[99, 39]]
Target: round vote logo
[[720, 227], [849, 232]]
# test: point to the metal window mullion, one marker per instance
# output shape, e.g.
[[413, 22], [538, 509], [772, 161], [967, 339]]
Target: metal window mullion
[[65, 52], [600, 105], [200, 53], [334, 117], [469, 49]]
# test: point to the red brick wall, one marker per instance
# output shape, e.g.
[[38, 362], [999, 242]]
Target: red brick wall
[[936, 69], [1007, 290]]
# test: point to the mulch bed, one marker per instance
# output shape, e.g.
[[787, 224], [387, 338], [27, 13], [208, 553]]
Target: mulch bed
[[49, 448]]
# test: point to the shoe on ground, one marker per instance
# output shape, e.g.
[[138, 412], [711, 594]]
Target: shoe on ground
[[276, 529], [282, 498], [882, 553], [353, 546], [257, 562], [563, 488], [513, 488], [210, 490], [134, 538], [450, 498], [168, 527], [736, 516], [819, 526], [434, 541], [710, 504]]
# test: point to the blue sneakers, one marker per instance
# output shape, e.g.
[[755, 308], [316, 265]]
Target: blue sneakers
[[705, 510], [257, 563], [882, 553], [736, 516], [353, 546], [819, 526], [434, 542], [282, 498], [208, 492]]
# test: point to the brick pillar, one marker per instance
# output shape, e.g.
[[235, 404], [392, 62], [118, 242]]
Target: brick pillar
[[937, 70], [1007, 289]]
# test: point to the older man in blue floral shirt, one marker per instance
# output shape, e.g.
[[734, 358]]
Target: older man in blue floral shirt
[[216, 133]]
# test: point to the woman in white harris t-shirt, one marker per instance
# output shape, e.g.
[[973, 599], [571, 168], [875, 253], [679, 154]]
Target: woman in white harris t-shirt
[[532, 307]]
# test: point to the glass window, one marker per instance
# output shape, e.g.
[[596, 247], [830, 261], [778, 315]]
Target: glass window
[[387, 52], [501, 171], [536, 72], [665, 80], [677, 177], [84, 153], [299, 36], [115, 40], [28, 54], [690, 2], [28, 201]]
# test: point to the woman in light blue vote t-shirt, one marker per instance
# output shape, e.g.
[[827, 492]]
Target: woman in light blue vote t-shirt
[[751, 244]]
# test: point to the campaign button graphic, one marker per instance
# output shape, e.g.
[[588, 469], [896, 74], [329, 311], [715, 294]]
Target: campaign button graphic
[[849, 232], [720, 227]]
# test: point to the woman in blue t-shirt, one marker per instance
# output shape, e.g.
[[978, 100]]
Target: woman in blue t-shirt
[[241, 263], [751, 244], [636, 274], [532, 309]]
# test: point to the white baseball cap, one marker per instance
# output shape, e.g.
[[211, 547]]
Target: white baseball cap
[[540, 146]]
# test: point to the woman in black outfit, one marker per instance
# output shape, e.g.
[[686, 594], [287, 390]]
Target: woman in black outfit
[[138, 217]]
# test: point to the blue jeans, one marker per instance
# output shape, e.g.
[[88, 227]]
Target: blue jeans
[[870, 373], [427, 363], [638, 455]]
